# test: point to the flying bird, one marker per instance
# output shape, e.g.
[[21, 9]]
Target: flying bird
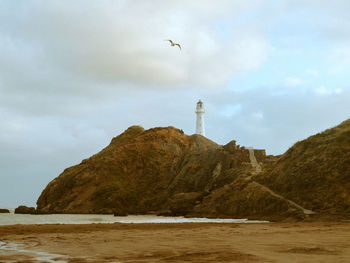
[[174, 44]]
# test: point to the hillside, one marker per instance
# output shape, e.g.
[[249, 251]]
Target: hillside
[[315, 172], [163, 171], [130, 175], [134, 174]]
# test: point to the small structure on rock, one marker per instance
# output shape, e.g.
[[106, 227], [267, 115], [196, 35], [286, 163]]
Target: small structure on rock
[[200, 118]]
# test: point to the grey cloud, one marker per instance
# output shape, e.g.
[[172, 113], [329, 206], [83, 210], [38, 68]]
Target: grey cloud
[[73, 74], [41, 147], [282, 120], [124, 41]]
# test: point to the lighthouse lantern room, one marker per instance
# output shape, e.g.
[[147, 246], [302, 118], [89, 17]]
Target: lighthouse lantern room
[[200, 118]]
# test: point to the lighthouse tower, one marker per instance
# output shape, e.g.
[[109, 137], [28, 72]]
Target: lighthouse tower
[[200, 118]]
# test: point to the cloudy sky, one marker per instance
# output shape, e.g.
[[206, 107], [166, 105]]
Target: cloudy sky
[[74, 74]]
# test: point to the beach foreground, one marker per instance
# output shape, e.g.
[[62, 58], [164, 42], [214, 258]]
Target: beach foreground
[[186, 242]]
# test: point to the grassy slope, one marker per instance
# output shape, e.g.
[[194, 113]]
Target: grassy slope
[[315, 172]]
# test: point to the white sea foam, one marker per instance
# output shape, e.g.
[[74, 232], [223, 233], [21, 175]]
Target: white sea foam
[[24, 219]]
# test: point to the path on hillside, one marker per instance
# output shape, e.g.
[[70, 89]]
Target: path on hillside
[[258, 169], [253, 161]]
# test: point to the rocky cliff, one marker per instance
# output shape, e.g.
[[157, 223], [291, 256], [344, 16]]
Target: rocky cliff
[[164, 171], [315, 172], [160, 170]]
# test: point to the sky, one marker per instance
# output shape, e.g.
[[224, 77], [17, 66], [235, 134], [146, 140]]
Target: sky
[[75, 74]]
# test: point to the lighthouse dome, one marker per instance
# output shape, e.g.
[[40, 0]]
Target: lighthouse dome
[[199, 107]]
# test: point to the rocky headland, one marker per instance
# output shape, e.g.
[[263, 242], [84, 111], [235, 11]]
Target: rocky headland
[[315, 172], [164, 171], [22, 209]]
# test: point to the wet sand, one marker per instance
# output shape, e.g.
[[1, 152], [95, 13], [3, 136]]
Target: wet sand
[[186, 242]]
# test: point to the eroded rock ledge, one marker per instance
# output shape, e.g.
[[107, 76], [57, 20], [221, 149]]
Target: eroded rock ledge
[[164, 171]]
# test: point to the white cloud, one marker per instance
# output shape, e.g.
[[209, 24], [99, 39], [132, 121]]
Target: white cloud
[[230, 110], [322, 90], [73, 74], [258, 115], [123, 42], [339, 58], [293, 82], [312, 72]]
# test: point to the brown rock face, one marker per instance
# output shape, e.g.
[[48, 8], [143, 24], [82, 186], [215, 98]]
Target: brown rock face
[[22, 209], [3, 211], [315, 172], [245, 199], [130, 175], [160, 170], [183, 203], [164, 171]]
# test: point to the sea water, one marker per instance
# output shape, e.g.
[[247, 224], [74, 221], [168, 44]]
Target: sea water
[[24, 219], [39, 256]]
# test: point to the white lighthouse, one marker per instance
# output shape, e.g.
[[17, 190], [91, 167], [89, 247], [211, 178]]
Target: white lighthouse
[[200, 118]]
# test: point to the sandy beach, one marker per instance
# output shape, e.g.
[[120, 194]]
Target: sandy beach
[[186, 242]]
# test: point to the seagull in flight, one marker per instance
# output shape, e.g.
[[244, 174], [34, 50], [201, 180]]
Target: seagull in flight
[[173, 44]]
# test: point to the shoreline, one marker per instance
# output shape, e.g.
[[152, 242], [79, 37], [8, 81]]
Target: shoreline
[[13, 219], [179, 242]]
